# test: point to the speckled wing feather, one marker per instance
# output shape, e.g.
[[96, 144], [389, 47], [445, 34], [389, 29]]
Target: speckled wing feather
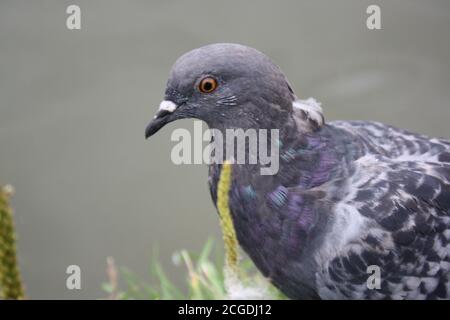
[[395, 214], [398, 144]]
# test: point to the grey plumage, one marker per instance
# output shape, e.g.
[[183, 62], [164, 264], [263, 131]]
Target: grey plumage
[[348, 195]]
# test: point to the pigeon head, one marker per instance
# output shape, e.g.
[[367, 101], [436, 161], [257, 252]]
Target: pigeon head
[[227, 86]]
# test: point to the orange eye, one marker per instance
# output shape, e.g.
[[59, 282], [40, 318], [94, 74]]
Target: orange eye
[[207, 85]]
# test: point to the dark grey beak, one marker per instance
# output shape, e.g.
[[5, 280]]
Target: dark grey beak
[[162, 117], [160, 120]]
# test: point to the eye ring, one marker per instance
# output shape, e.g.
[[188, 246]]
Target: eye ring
[[207, 85]]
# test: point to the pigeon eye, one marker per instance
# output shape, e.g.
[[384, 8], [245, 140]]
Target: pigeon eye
[[207, 85]]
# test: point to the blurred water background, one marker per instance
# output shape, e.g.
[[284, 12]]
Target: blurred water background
[[74, 104]]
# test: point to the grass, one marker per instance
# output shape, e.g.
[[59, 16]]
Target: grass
[[206, 279]]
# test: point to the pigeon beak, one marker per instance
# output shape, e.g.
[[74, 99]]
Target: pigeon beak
[[162, 117]]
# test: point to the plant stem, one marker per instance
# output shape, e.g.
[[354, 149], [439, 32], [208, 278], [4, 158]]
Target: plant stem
[[226, 221], [10, 281]]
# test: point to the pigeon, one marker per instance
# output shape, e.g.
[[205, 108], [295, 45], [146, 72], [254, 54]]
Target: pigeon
[[357, 209]]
